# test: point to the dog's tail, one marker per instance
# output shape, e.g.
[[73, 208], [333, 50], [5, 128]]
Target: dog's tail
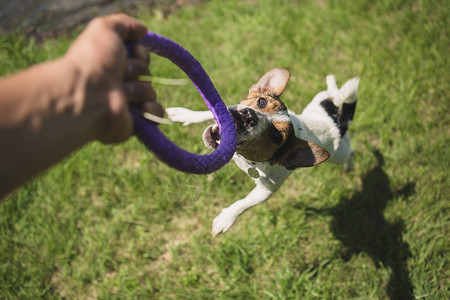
[[344, 101]]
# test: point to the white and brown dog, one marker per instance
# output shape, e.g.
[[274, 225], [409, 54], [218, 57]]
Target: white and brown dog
[[273, 141]]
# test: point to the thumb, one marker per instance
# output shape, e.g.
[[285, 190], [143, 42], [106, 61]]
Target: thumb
[[119, 123]]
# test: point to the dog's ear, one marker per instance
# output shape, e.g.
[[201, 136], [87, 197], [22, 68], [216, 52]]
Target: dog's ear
[[273, 82], [302, 154]]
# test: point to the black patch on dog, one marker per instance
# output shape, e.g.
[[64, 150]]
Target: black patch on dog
[[330, 109], [341, 117], [290, 142], [345, 117], [276, 136]]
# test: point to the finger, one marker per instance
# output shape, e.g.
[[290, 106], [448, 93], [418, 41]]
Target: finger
[[140, 52], [137, 91], [120, 124], [134, 69], [155, 108], [129, 29]]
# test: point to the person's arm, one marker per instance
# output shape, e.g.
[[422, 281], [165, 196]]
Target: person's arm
[[54, 108]]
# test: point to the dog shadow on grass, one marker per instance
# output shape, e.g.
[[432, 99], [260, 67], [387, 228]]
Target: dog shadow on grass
[[358, 222]]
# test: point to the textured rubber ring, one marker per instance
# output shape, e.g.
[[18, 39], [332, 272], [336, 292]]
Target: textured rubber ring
[[158, 143]]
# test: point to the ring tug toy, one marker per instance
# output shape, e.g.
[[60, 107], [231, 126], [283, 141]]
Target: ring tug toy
[[158, 143]]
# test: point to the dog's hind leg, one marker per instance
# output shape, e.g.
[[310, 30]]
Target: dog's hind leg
[[340, 106], [332, 87], [345, 100], [349, 164]]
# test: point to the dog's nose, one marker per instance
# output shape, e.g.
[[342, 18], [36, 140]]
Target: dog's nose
[[244, 117], [248, 117]]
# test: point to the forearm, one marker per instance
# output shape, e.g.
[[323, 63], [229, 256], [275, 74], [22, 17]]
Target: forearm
[[54, 108], [43, 117]]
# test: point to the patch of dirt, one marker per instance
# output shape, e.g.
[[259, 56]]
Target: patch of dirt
[[48, 18]]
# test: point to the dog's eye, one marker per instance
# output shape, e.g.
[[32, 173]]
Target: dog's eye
[[276, 137], [262, 102]]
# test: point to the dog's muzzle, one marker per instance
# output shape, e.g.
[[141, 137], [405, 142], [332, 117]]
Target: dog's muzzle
[[244, 119]]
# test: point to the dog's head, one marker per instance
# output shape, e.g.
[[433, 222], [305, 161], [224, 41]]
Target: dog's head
[[264, 128]]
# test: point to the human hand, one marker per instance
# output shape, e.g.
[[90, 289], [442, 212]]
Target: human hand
[[51, 109], [108, 79]]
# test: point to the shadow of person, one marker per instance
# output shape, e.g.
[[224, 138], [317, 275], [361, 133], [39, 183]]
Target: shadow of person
[[358, 222]]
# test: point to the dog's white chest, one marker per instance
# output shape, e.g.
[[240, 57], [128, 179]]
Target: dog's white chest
[[270, 175]]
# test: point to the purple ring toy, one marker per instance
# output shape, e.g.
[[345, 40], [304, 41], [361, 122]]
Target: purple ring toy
[[158, 143]]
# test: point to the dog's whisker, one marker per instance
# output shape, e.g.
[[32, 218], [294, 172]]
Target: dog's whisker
[[228, 100]]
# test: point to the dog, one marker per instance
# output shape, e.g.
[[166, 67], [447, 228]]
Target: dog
[[272, 141]]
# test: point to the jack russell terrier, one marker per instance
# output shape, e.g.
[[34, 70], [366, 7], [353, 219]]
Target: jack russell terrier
[[273, 141]]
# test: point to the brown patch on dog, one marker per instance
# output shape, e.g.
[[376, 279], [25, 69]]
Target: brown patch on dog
[[265, 94], [260, 149], [285, 128], [272, 105]]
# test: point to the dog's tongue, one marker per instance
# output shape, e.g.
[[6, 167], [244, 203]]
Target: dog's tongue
[[211, 136]]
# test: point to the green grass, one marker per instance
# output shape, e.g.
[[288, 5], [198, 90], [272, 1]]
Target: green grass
[[113, 222]]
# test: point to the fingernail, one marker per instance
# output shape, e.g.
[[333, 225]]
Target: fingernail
[[141, 52], [153, 108]]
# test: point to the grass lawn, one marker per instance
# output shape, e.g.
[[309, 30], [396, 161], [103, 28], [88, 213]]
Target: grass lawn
[[113, 222]]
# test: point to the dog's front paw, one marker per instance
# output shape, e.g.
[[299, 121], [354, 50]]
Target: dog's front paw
[[224, 221], [180, 115]]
